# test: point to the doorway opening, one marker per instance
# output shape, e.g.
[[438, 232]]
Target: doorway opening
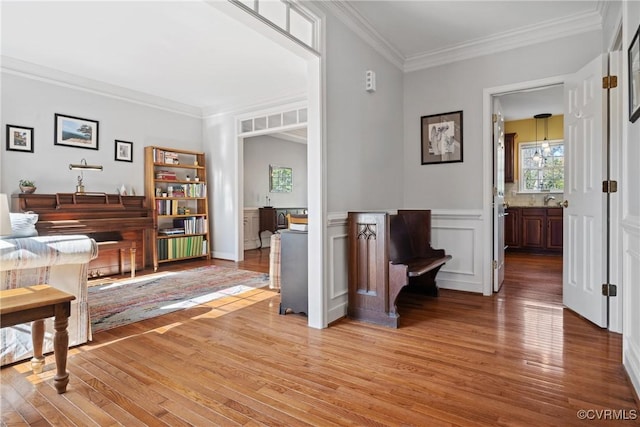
[[533, 185], [285, 149]]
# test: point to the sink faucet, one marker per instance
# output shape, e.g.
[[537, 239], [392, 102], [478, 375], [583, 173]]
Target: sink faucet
[[547, 198]]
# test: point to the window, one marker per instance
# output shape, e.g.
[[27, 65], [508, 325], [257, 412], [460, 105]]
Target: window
[[288, 17], [546, 174]]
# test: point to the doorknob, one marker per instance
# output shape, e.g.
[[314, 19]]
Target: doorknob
[[565, 204]]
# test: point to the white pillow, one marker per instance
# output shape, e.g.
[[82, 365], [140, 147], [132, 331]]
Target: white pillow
[[23, 224]]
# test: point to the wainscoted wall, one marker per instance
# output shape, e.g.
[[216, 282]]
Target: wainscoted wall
[[631, 292], [250, 227], [459, 232]]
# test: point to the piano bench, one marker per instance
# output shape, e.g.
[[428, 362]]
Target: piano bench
[[122, 246]]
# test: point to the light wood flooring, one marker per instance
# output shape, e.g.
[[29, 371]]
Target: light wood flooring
[[516, 358]]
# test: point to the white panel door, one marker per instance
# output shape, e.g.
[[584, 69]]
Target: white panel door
[[498, 195], [585, 162]]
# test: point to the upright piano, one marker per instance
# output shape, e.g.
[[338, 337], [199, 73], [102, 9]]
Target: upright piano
[[104, 217]]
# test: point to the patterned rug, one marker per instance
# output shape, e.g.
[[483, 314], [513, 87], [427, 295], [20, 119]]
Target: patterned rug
[[124, 301]]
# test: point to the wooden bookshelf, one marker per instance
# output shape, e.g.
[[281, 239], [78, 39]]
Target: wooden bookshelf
[[176, 190]]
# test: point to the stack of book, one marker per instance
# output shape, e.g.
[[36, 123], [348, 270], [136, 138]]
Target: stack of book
[[171, 231], [166, 175]]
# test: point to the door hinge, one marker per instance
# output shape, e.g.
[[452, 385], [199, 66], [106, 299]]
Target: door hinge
[[495, 191], [610, 186], [609, 290], [609, 82], [494, 118], [495, 264]]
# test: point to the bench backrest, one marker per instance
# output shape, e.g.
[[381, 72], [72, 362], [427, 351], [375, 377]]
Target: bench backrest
[[410, 235]]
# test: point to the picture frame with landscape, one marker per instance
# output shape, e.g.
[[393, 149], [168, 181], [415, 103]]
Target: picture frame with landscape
[[76, 132], [19, 138]]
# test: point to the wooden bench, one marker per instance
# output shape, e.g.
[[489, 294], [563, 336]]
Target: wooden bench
[[34, 304], [121, 246], [386, 254]]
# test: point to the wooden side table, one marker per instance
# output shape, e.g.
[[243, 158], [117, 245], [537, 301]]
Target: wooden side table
[[34, 304]]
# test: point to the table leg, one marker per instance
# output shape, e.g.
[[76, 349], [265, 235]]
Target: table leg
[[133, 261], [61, 346], [37, 338], [121, 253]]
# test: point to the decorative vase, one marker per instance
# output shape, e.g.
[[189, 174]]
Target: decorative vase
[[27, 190]]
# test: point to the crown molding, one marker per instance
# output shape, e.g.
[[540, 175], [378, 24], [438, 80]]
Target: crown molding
[[524, 36], [256, 106], [359, 25], [49, 75], [36, 72]]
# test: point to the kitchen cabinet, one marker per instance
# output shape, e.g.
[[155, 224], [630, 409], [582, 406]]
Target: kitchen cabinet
[[533, 222], [534, 229], [509, 156], [512, 228], [554, 228]]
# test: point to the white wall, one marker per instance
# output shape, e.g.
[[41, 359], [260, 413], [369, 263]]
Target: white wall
[[459, 86], [364, 130], [363, 142], [33, 103], [265, 150], [630, 217], [221, 147]]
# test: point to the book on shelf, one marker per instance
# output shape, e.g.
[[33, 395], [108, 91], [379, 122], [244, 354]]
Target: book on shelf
[[163, 156], [166, 175], [170, 231], [181, 247]]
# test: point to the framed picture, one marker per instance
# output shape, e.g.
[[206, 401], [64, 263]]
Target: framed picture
[[19, 138], [634, 77], [76, 132], [441, 138], [124, 151], [280, 179]]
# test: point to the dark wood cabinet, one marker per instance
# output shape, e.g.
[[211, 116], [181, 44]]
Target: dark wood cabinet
[[554, 228], [536, 229], [274, 219], [533, 221], [512, 228], [509, 156]]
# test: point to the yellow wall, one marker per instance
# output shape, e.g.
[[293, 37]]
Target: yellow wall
[[526, 130]]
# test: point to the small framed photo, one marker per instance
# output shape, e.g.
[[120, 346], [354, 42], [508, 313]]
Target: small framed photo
[[124, 151], [441, 138], [76, 132], [634, 77], [19, 138]]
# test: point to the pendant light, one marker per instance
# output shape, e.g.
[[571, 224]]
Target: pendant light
[[546, 148], [538, 157]]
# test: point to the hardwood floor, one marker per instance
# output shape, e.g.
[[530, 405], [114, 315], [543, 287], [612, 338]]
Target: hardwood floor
[[516, 358]]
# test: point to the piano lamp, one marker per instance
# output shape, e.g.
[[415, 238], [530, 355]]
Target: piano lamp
[[83, 166], [5, 218]]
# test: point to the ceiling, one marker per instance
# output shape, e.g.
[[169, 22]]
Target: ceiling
[[192, 57]]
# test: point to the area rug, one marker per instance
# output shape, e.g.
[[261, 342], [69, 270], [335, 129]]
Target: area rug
[[121, 302]]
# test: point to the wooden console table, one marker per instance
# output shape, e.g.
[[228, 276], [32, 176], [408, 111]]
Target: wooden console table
[[274, 219], [34, 304]]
